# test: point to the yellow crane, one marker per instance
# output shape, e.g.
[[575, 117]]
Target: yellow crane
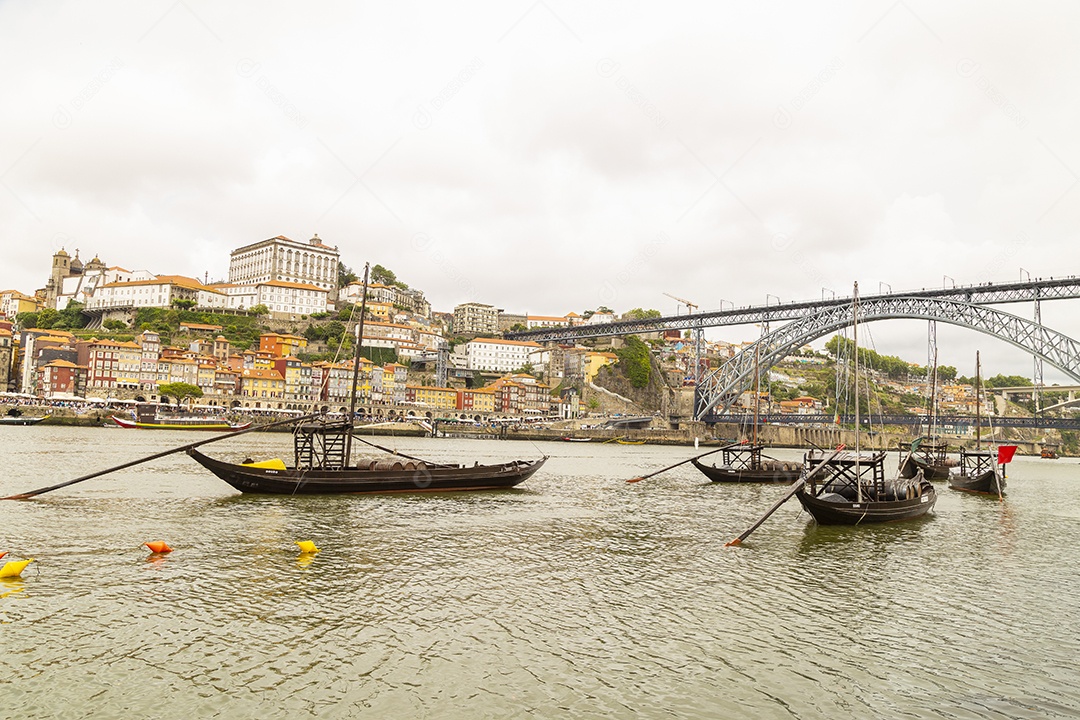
[[690, 307]]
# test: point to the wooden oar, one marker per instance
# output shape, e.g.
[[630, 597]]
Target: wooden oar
[[669, 467], [796, 486], [155, 456]]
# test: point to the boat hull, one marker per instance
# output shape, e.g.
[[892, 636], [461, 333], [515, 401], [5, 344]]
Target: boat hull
[[760, 475], [425, 478], [20, 420], [987, 483], [842, 511]]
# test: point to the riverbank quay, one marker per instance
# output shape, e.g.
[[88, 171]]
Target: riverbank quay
[[690, 434]]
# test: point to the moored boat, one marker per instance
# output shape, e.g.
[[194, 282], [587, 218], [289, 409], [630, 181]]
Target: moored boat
[[21, 420], [743, 463], [978, 474], [929, 456], [147, 417], [849, 488], [978, 468], [852, 490], [320, 469], [323, 462]]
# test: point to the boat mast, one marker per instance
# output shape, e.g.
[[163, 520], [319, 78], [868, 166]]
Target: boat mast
[[757, 388], [858, 423], [978, 404], [356, 367]]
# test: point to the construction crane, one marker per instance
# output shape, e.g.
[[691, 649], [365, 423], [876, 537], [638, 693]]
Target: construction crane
[[690, 307]]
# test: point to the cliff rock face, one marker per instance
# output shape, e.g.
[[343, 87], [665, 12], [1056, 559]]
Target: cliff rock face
[[654, 397]]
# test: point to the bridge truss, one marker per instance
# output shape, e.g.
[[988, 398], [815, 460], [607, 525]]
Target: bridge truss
[[720, 388], [984, 294]]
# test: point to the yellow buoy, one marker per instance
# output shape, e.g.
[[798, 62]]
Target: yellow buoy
[[14, 568], [306, 546]]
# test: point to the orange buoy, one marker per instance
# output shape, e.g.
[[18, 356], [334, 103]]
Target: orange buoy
[[2, 554], [158, 546]]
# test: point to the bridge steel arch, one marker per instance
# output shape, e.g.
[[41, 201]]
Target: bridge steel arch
[[722, 387]]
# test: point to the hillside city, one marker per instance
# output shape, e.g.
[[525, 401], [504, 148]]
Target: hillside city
[[277, 335]]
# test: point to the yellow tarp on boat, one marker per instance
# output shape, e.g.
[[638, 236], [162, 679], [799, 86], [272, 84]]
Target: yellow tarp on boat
[[275, 464]]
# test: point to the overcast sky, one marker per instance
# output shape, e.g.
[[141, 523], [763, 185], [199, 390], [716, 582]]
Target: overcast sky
[[553, 156]]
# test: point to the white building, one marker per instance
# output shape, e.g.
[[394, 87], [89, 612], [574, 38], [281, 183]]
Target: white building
[[160, 291], [280, 259], [282, 299], [499, 355]]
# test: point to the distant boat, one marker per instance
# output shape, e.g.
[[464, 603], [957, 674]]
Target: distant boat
[[147, 418], [620, 441], [743, 463], [574, 439], [1048, 453], [21, 420]]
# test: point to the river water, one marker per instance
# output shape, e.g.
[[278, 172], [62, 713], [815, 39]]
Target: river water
[[578, 595]]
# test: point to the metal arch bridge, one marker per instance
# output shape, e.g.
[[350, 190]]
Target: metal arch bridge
[[722, 387], [982, 294]]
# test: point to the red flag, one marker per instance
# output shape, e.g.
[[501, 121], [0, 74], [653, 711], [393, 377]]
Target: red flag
[[1005, 454]]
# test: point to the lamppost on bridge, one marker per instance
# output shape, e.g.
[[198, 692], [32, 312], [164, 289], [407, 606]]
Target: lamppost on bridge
[[827, 290], [1024, 272], [945, 278], [881, 284]]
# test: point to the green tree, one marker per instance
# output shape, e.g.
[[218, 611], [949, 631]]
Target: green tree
[[183, 304], [345, 275], [634, 361], [639, 314], [114, 325], [180, 391], [259, 309], [383, 275], [999, 381]]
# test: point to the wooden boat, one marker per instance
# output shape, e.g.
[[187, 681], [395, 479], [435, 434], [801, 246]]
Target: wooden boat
[[21, 420], [574, 439], [978, 473], [147, 418], [621, 441], [928, 455], [743, 463], [851, 488], [1049, 452], [319, 469], [323, 464], [978, 469]]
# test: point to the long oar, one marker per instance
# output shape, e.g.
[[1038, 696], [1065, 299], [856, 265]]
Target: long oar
[[683, 462], [796, 486], [155, 456]]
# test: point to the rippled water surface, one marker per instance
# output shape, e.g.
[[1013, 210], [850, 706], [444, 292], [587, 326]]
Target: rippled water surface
[[576, 596]]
